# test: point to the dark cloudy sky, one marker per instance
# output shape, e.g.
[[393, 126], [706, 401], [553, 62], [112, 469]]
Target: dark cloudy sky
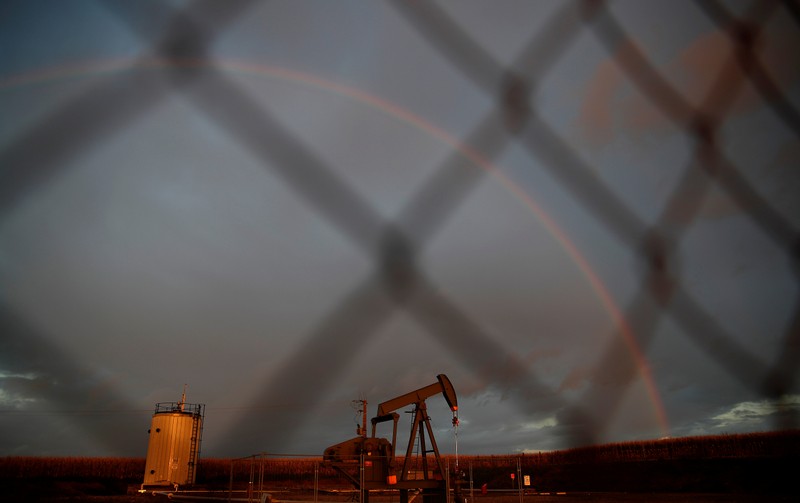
[[585, 214]]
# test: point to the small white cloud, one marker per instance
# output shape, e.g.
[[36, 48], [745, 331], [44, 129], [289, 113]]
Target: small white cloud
[[750, 414], [547, 422], [13, 400], [11, 375]]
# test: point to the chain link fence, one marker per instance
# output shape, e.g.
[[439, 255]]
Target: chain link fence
[[182, 54]]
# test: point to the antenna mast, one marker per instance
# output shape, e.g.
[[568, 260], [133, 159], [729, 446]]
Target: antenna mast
[[361, 407], [183, 398]]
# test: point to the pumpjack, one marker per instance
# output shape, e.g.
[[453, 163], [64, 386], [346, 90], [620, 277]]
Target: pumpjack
[[369, 462]]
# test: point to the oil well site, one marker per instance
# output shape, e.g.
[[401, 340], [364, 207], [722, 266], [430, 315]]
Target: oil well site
[[403, 251], [368, 467]]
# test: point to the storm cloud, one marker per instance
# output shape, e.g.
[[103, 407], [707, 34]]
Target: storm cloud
[[584, 214]]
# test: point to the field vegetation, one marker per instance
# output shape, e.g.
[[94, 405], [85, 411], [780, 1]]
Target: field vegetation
[[760, 463]]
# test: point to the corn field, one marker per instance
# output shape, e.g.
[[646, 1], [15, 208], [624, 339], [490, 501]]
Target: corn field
[[299, 472], [71, 468]]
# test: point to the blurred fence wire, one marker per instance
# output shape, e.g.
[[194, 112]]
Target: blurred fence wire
[[393, 245]]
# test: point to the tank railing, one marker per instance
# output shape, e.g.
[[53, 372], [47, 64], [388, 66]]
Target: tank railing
[[196, 409]]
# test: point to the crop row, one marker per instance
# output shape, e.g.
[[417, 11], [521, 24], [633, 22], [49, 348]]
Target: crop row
[[71, 468], [300, 471], [749, 445]]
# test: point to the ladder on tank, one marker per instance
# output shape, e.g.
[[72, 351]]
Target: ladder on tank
[[194, 445]]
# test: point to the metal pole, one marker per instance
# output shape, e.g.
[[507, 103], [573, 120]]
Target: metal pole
[[261, 475], [361, 478], [519, 479], [230, 484], [471, 484], [447, 481], [316, 480], [252, 476]]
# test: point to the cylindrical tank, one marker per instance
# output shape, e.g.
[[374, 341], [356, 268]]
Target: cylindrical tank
[[174, 446]]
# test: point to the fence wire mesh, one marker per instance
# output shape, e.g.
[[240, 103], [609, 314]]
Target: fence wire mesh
[[179, 49]]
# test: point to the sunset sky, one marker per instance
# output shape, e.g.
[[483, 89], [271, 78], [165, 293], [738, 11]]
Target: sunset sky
[[288, 206]]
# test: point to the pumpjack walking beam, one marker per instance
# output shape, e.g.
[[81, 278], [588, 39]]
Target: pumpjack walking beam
[[386, 412]]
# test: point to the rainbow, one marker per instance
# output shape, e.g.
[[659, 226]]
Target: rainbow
[[112, 66]]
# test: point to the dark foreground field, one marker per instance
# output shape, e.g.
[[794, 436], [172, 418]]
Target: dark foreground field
[[730, 468], [561, 497]]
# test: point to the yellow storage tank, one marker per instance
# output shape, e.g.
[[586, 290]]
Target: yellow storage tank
[[174, 446]]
